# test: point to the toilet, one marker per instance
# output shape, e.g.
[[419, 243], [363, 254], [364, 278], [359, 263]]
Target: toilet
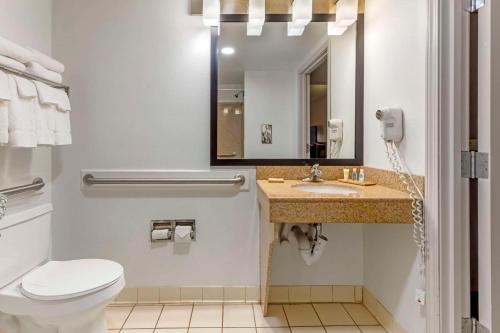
[[38, 295]]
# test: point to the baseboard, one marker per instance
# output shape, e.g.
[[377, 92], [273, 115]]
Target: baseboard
[[384, 317], [315, 294], [189, 295]]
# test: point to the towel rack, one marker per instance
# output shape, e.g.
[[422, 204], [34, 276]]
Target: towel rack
[[34, 77], [90, 180], [37, 185]]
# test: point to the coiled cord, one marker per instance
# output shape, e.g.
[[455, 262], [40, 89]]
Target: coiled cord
[[3, 205], [419, 232]]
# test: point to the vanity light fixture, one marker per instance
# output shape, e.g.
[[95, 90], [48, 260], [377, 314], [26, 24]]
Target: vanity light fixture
[[336, 30], [256, 17], [347, 12], [211, 13], [301, 16], [227, 50]]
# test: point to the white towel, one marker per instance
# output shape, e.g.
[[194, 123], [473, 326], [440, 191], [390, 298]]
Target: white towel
[[45, 111], [63, 128], [6, 61], [22, 120], [47, 62], [38, 70], [15, 51], [4, 108], [62, 100]]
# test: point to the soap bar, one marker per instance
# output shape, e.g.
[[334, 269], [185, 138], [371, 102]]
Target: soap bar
[[276, 180]]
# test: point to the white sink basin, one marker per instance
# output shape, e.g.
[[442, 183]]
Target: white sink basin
[[326, 189]]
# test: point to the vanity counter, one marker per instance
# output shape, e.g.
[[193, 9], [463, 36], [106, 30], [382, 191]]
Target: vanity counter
[[285, 203]]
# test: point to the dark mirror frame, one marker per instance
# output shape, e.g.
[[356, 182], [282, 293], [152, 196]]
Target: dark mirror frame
[[358, 151]]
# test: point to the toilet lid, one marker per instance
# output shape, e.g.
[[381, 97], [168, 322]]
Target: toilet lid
[[57, 280]]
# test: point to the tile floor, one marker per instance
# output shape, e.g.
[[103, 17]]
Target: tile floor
[[228, 318]]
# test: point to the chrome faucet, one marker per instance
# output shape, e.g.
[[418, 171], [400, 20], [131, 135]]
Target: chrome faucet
[[315, 176]]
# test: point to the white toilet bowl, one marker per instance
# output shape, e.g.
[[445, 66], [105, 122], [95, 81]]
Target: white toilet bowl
[[61, 297]]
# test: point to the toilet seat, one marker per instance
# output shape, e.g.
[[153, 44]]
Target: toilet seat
[[62, 280]]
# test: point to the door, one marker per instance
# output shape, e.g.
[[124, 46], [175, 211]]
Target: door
[[483, 201]]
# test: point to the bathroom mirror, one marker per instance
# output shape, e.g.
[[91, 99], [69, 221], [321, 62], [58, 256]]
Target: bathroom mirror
[[286, 100]]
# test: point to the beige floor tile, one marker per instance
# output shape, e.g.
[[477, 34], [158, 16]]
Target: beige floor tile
[[308, 330], [238, 330], [205, 330], [238, 316], [273, 330], [332, 314], [361, 316], [206, 316], [110, 331], [301, 315], [299, 294], [171, 330], [138, 330], [344, 294], [372, 329], [175, 316], [342, 329], [276, 316], [321, 294], [116, 316], [144, 316]]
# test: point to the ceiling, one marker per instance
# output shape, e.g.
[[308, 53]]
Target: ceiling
[[272, 51]]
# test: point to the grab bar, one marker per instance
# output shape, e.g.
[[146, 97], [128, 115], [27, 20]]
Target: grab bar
[[37, 185], [90, 180]]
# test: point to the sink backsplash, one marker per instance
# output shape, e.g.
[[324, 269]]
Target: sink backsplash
[[380, 176]]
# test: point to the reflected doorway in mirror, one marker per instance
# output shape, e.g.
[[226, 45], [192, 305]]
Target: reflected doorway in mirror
[[267, 134]]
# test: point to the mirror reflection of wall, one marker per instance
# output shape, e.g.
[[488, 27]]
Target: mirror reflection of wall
[[296, 84]]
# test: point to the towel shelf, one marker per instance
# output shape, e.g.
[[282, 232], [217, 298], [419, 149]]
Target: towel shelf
[[34, 77], [37, 185], [90, 180]]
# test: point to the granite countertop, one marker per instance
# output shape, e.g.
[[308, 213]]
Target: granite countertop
[[287, 191], [371, 204]]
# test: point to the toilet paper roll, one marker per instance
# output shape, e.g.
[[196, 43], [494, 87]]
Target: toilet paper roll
[[160, 234], [183, 234]]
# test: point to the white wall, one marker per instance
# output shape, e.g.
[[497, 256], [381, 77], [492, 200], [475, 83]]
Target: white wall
[[28, 23], [271, 98], [395, 67], [395, 76], [139, 74], [343, 86]]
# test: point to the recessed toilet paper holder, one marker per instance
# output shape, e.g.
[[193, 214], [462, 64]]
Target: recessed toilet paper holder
[[169, 226]]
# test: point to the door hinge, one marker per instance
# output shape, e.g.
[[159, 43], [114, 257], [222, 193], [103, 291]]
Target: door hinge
[[475, 165], [473, 6], [471, 325]]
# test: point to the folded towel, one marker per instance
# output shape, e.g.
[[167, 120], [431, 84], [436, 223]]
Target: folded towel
[[14, 51], [6, 61], [63, 128], [4, 108], [22, 119], [45, 111], [37, 69], [63, 103], [47, 62]]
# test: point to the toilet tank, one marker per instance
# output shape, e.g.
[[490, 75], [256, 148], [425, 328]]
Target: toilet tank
[[25, 242]]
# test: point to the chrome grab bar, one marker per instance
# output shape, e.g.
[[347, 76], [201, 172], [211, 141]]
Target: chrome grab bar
[[90, 180], [37, 185]]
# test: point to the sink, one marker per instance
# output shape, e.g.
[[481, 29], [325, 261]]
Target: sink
[[326, 189]]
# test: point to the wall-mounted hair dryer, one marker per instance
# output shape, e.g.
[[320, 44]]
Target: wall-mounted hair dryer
[[391, 121], [336, 136]]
